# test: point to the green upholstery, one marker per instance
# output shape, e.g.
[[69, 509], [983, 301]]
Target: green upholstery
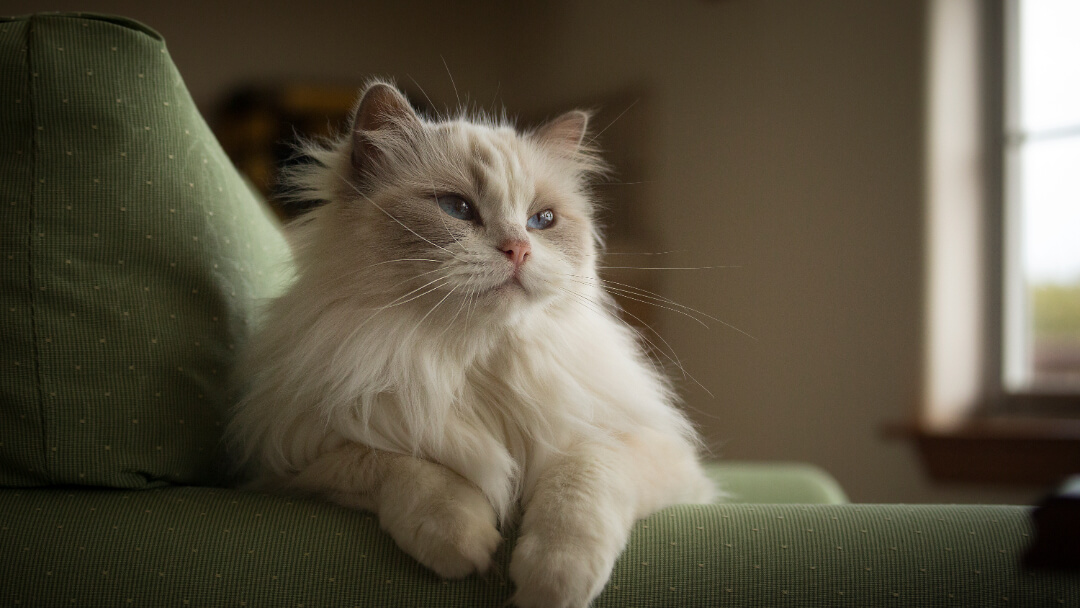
[[131, 257], [182, 546], [95, 168], [747, 482]]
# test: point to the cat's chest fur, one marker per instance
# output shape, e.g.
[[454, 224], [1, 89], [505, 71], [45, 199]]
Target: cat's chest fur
[[530, 392]]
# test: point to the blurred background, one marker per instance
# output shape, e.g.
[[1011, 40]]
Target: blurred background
[[782, 142]]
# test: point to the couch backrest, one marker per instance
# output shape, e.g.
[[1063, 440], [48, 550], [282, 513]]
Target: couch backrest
[[134, 258]]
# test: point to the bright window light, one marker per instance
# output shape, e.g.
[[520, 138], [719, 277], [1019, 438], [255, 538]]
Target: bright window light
[[1042, 249]]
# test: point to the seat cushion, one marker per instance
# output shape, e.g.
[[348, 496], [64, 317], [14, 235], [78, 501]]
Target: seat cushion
[[180, 546], [133, 259]]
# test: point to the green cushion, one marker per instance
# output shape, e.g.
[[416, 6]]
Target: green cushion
[[132, 257], [773, 483], [216, 547]]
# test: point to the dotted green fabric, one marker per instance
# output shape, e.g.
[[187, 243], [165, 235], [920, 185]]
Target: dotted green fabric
[[132, 256], [180, 546]]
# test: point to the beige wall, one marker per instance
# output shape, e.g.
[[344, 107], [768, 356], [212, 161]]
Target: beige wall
[[782, 137]]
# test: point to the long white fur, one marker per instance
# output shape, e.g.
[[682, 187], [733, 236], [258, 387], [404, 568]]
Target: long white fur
[[524, 397]]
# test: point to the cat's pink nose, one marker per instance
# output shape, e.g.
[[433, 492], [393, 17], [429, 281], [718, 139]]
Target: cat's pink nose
[[516, 252]]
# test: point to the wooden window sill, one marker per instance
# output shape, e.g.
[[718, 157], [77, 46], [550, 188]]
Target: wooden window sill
[[1008, 450]]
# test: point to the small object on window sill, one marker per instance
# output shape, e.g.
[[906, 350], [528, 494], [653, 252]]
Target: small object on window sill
[[1057, 530]]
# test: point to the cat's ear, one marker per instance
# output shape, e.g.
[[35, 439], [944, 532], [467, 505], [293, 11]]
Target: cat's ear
[[383, 115], [565, 133], [565, 136]]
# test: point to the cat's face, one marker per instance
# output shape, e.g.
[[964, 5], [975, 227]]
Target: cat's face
[[459, 216]]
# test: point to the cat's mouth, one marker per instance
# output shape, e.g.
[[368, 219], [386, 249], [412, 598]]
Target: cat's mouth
[[513, 284]]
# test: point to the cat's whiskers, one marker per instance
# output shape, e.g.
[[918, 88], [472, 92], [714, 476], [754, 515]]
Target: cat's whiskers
[[431, 104], [652, 295], [598, 255], [687, 308], [438, 282], [647, 294], [475, 295], [466, 302], [663, 267], [450, 323], [437, 304], [607, 253], [357, 272], [622, 183], [652, 348], [391, 216], [637, 297], [494, 98], [405, 280], [452, 83], [425, 289], [396, 302], [679, 308], [601, 308], [672, 357], [601, 132], [400, 260]]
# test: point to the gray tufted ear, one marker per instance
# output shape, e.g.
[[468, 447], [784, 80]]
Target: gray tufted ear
[[383, 113], [564, 133]]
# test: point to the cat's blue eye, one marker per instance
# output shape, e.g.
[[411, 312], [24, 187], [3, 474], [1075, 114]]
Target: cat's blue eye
[[541, 220], [456, 207]]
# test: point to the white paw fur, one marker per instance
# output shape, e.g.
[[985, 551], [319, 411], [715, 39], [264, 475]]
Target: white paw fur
[[450, 528], [558, 573]]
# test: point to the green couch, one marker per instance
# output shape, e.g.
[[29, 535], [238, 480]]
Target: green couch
[[133, 260]]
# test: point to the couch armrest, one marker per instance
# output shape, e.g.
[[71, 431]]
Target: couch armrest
[[776, 483], [216, 547]]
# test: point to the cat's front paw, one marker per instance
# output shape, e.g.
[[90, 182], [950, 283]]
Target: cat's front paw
[[559, 573], [454, 535]]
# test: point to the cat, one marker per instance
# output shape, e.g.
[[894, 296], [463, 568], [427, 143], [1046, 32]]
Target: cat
[[448, 359]]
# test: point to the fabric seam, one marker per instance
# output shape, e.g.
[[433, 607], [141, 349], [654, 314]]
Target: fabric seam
[[30, 283]]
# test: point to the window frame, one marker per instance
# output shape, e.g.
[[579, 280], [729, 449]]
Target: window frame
[[1002, 69], [1001, 24], [970, 426]]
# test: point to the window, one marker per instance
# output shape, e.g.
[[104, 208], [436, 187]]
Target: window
[[1001, 399], [1042, 196]]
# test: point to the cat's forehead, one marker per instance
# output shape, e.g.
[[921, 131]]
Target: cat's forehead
[[495, 157], [495, 149]]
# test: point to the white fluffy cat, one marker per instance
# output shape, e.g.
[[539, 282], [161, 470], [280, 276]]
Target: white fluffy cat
[[446, 357]]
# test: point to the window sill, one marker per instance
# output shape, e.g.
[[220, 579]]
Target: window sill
[[1008, 450]]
